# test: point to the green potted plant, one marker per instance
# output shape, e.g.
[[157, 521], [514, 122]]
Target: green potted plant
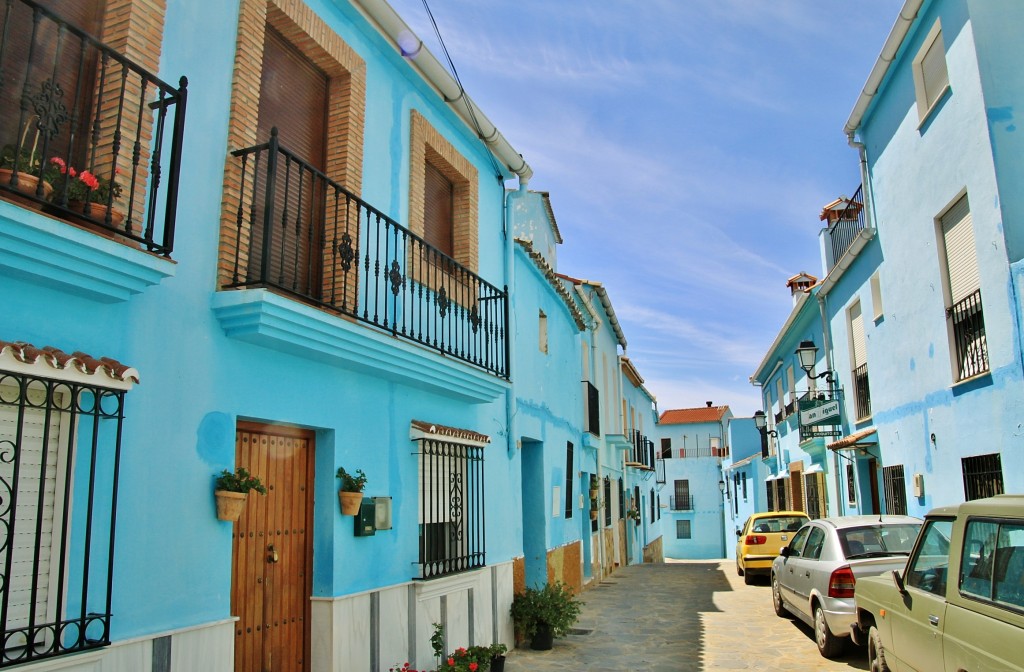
[[595, 487], [24, 165], [496, 652], [86, 192], [351, 492], [231, 490], [545, 613]]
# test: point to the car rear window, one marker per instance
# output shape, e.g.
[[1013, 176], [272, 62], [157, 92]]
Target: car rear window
[[779, 524], [878, 540]]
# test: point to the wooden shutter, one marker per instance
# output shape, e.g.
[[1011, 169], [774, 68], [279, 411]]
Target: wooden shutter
[[961, 258], [933, 71], [439, 210], [293, 98], [857, 336], [31, 455]]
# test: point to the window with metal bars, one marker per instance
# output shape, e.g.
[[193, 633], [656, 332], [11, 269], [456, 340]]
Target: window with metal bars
[[983, 476], [607, 501], [451, 507], [680, 501], [682, 529], [895, 486], [814, 489], [56, 564], [622, 500], [569, 472], [964, 309], [652, 505], [851, 485]]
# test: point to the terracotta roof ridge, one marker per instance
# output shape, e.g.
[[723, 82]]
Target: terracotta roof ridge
[[78, 361]]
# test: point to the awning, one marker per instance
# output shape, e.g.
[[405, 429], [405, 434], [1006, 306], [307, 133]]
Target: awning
[[855, 440]]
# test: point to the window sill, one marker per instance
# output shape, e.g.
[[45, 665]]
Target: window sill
[[929, 114], [273, 321], [51, 252]]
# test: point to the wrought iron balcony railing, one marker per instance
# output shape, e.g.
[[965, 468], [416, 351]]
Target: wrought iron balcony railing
[[863, 392], [88, 135], [844, 229], [680, 502], [642, 451], [968, 322], [300, 233]]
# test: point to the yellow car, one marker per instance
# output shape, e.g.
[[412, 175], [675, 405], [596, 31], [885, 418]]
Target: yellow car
[[762, 537]]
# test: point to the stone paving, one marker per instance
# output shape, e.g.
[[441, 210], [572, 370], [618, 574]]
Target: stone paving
[[682, 616]]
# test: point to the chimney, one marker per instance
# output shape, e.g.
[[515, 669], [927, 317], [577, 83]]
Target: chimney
[[800, 283], [708, 403]]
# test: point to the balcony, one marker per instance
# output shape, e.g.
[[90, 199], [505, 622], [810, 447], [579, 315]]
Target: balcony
[[88, 135], [843, 226], [641, 454], [709, 451], [680, 502], [302, 235]]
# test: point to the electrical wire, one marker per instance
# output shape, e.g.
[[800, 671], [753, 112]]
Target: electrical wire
[[462, 91]]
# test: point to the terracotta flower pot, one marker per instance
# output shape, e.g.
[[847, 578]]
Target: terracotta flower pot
[[27, 185], [350, 502], [230, 504], [97, 212]]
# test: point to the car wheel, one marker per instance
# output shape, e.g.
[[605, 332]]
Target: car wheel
[[829, 645], [780, 608], [739, 569], [876, 655], [748, 578]]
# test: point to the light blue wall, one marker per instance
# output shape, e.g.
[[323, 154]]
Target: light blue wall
[[913, 181], [549, 404], [172, 556]]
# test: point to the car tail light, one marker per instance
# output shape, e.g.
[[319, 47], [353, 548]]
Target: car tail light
[[842, 582], [756, 539]]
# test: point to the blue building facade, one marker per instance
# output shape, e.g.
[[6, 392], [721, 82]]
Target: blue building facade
[[931, 310], [255, 298], [692, 444]]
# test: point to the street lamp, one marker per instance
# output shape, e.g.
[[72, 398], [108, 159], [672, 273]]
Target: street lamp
[[807, 353], [760, 421]]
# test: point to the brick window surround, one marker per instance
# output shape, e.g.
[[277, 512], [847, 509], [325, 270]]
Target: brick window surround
[[427, 145], [346, 73]]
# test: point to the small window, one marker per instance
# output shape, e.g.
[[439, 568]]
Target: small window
[[983, 476], [851, 485], [931, 79], [542, 332], [569, 455], [682, 529], [666, 448], [876, 297]]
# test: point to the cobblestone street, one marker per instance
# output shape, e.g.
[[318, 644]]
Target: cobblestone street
[[681, 617]]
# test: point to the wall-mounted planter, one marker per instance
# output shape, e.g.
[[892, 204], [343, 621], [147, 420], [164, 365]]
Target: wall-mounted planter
[[230, 504], [350, 502]]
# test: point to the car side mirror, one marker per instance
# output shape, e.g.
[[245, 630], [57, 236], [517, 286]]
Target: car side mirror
[[739, 533], [897, 578], [785, 551]]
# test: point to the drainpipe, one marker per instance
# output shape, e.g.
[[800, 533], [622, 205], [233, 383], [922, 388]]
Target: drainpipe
[[510, 273]]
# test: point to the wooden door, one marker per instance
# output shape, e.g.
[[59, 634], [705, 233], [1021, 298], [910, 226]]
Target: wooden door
[[272, 551]]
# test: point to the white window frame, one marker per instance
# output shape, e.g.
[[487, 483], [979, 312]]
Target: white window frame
[[876, 297], [932, 48]]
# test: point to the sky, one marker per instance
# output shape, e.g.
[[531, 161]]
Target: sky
[[688, 147]]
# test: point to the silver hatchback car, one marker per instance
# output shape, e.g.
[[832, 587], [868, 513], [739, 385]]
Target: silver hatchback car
[[814, 576]]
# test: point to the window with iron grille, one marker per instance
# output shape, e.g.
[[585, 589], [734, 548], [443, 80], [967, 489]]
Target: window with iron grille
[[652, 505], [681, 498], [56, 564], [851, 485], [858, 347], [622, 501], [895, 490], [964, 311], [607, 501], [682, 529], [983, 476], [569, 472], [814, 490], [451, 507]]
